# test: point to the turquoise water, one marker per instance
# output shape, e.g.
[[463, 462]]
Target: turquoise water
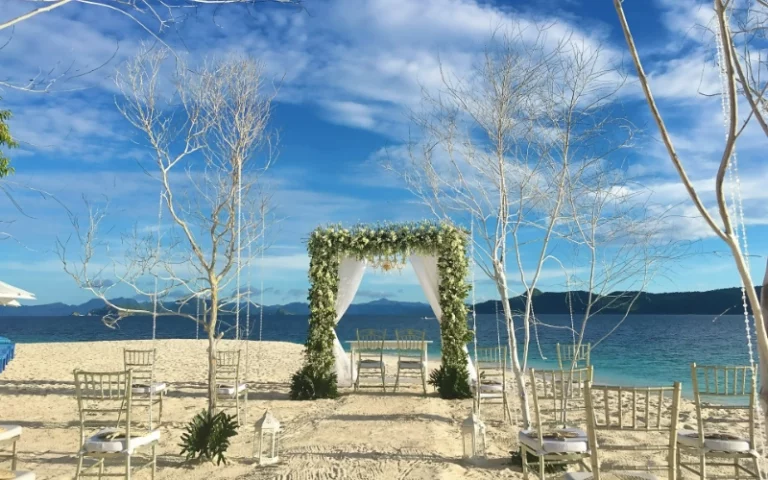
[[644, 350]]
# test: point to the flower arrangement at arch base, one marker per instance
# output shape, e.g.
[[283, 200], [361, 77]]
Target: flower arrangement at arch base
[[385, 247]]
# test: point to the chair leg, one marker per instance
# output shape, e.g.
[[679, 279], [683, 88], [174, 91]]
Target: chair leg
[[702, 466], [237, 408], [101, 468], [757, 468], [424, 380], [384, 379], [79, 467], [160, 414], [524, 459], [127, 467], [14, 454], [397, 379], [542, 468], [154, 460], [357, 378], [736, 468], [507, 412], [245, 408]]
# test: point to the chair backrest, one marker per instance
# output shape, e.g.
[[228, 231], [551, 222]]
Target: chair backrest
[[730, 390], [566, 354], [491, 362], [410, 343], [103, 400], [228, 367], [651, 410], [553, 400], [370, 342], [141, 364]]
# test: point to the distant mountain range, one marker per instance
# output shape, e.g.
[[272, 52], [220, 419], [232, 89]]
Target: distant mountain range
[[96, 307], [713, 302]]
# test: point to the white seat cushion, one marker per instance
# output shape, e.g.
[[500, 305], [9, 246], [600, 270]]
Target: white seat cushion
[[410, 364], [491, 387], [99, 444], [577, 444], [690, 438], [629, 475], [21, 475], [229, 390], [142, 388], [370, 364], [8, 432]]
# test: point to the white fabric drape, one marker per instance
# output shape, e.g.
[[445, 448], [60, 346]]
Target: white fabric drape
[[428, 274], [350, 275]]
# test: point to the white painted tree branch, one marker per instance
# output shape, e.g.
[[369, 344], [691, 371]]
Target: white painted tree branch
[[662, 127], [726, 235]]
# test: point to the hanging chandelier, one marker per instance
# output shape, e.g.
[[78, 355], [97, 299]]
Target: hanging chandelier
[[388, 263]]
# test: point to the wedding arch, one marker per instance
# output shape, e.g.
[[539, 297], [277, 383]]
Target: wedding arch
[[337, 261]]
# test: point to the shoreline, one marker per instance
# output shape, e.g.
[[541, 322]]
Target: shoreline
[[364, 435], [612, 378]]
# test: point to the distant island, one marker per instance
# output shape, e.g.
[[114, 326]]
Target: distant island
[[712, 302]]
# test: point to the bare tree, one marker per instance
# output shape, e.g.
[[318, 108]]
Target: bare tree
[[161, 12], [620, 244], [205, 149], [734, 72], [503, 148], [154, 17]]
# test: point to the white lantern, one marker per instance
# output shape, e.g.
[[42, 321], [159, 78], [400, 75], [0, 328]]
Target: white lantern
[[473, 437], [267, 431]]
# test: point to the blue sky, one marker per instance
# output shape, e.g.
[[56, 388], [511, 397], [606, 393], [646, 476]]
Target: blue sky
[[350, 71]]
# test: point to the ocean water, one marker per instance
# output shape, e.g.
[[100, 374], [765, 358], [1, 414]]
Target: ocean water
[[644, 350]]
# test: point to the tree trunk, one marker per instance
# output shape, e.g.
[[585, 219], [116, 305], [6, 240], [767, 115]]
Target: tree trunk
[[501, 283], [211, 329], [758, 306]]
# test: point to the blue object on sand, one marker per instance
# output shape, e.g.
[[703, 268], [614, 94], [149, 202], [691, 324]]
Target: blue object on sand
[[7, 351]]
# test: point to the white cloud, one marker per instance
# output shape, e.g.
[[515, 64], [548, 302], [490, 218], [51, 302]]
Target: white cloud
[[691, 18]]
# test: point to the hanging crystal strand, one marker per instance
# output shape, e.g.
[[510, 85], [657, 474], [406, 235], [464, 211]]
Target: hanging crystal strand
[[498, 331], [570, 306], [735, 190], [154, 312], [248, 314], [261, 293], [239, 245], [474, 314], [536, 333], [509, 356], [740, 232]]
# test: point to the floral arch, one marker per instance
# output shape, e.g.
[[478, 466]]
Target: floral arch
[[338, 258]]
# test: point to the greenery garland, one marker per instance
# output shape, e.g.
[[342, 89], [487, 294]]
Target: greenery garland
[[327, 245]]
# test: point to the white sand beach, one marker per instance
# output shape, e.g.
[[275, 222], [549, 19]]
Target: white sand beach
[[367, 435]]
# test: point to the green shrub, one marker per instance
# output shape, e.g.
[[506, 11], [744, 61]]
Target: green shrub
[[451, 381], [308, 384], [207, 436]]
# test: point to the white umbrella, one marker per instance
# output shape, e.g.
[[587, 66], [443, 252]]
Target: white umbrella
[[10, 295]]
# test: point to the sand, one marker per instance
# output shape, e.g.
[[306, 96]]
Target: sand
[[365, 435]]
